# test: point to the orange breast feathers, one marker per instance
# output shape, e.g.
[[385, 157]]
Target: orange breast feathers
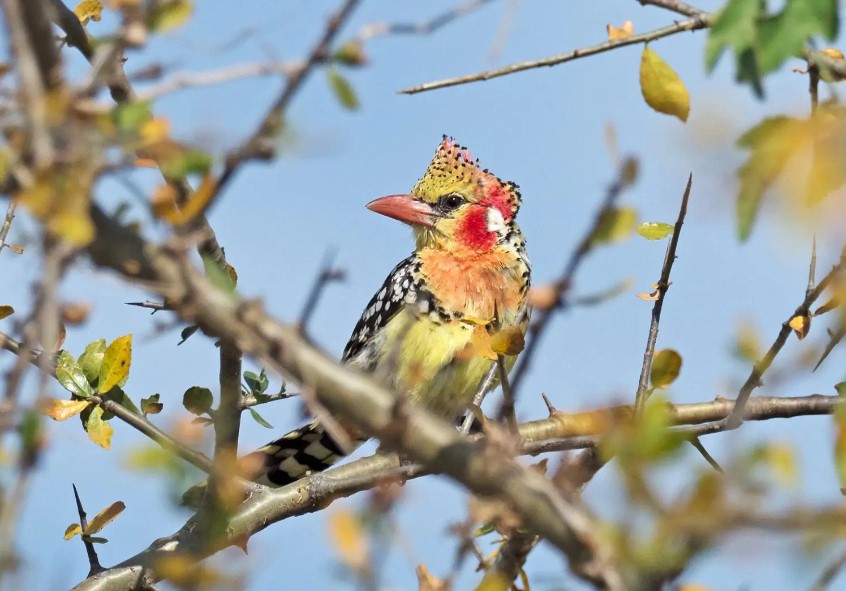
[[478, 285]]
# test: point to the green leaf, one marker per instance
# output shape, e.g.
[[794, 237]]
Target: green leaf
[[94, 540], [188, 161], [736, 27], [257, 384], [92, 359], [786, 34], [99, 431], [655, 230], [117, 394], [197, 400], [260, 419], [187, 332], [32, 436], [151, 405], [218, 276], [129, 117], [71, 377], [343, 90], [666, 365], [840, 388], [116, 362]]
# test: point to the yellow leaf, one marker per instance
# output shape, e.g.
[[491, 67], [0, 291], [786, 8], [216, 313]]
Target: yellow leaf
[[72, 225], [104, 517], [661, 87], [194, 205], [800, 325], [493, 581], [655, 230], [348, 537], [154, 130], [666, 365], [169, 14], [72, 530], [61, 410], [99, 431], [480, 343], [624, 31], [6, 311], [185, 572], [508, 341], [835, 55], [615, 224], [88, 10], [61, 200], [116, 361]]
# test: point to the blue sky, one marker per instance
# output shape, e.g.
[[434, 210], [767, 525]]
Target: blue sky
[[544, 129]]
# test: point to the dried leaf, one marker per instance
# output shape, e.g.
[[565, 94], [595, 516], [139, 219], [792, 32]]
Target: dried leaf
[[347, 535], [624, 31], [116, 362], [6, 311], [75, 313], [426, 581], [480, 343], [666, 365], [104, 517], [661, 87], [88, 10], [61, 410], [800, 326], [543, 297], [151, 405]]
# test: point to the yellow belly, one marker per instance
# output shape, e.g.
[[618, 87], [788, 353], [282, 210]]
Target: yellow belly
[[434, 364]]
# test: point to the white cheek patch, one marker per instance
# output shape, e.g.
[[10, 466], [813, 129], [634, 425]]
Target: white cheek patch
[[496, 223]]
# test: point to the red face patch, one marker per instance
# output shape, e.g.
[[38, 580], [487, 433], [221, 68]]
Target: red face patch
[[498, 197], [473, 229]]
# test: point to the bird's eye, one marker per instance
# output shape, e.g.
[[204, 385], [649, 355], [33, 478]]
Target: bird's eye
[[451, 202]]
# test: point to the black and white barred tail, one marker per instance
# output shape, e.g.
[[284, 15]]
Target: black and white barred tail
[[295, 455]]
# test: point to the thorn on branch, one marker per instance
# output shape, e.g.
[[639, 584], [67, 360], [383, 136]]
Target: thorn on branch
[[94, 563]]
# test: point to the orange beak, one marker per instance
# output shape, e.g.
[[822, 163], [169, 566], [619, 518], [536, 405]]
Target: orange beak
[[405, 208]]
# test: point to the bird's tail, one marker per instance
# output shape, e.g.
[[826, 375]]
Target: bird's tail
[[295, 455]]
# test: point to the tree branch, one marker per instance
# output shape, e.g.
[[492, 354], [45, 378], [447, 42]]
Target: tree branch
[[691, 24], [663, 286]]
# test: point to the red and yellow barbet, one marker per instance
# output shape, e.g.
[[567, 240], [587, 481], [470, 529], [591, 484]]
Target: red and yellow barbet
[[468, 272]]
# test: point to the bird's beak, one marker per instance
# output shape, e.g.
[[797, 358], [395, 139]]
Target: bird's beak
[[405, 208]]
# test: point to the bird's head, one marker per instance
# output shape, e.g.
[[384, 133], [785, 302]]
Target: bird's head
[[456, 205]]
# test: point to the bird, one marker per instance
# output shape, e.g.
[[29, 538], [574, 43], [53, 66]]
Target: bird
[[424, 332]]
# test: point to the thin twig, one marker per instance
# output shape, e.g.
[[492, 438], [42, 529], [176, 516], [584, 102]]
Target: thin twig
[[506, 409], [258, 145], [674, 5], [93, 561], [484, 386], [7, 223], [663, 286], [625, 177], [761, 366], [830, 572], [327, 274], [691, 24], [372, 30]]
